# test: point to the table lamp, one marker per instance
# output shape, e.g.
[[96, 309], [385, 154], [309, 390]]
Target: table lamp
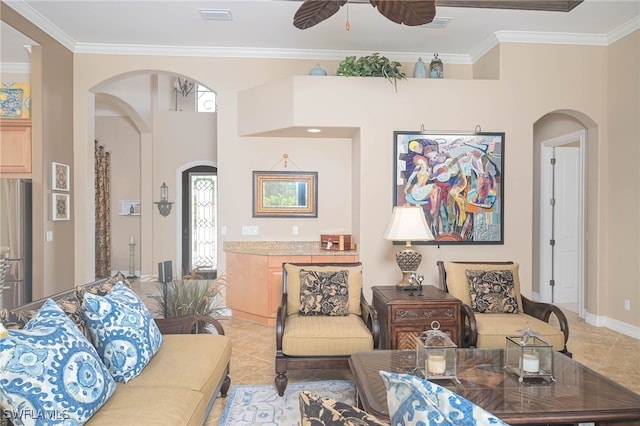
[[408, 224]]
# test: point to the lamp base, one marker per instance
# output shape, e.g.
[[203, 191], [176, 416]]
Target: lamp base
[[405, 284]]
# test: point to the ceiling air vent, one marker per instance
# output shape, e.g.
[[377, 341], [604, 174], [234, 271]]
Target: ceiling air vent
[[438, 23], [216, 14]]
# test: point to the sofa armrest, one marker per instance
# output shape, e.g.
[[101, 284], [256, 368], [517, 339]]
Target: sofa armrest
[[370, 317], [281, 317], [543, 311], [469, 327], [186, 324]]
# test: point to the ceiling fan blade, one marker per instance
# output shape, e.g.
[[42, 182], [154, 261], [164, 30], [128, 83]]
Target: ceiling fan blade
[[312, 12], [549, 5], [408, 12]]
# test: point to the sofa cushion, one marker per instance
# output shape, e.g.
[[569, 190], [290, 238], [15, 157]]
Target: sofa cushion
[[51, 367], [324, 293], [318, 411], [459, 286], [415, 401], [293, 285], [325, 335], [122, 330], [492, 291], [151, 406], [493, 329]]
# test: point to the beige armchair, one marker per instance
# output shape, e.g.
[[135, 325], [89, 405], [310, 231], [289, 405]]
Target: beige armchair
[[484, 330], [322, 319]]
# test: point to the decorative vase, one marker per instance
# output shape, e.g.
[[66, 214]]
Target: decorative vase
[[435, 68], [420, 70], [317, 70]]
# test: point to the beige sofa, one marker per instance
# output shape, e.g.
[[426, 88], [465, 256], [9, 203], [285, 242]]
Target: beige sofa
[[179, 384]]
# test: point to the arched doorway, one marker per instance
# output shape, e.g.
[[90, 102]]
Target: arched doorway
[[199, 221], [565, 164]]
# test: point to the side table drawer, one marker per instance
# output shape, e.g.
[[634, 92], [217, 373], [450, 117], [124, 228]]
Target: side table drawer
[[443, 314], [405, 337]]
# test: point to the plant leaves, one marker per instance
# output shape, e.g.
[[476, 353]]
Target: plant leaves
[[312, 12], [408, 12]]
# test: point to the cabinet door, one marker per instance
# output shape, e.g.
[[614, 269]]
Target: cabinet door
[[15, 145], [275, 279]]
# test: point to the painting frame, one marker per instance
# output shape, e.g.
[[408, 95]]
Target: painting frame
[[60, 206], [457, 179], [60, 176], [297, 189]]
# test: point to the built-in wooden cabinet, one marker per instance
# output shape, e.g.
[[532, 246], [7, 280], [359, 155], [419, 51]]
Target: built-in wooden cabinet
[[15, 145], [255, 282]]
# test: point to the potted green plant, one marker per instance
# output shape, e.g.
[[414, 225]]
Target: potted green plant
[[191, 295], [373, 65]]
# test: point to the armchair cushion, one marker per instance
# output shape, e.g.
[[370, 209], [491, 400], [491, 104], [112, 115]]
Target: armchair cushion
[[293, 285], [324, 293], [325, 335], [458, 284], [492, 291], [494, 328]]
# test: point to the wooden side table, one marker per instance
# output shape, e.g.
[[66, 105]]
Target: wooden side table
[[403, 316]]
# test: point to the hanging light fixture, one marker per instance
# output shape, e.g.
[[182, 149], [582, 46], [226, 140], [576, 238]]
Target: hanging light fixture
[[184, 86]]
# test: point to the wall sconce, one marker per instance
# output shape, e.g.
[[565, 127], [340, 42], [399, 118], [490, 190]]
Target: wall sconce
[[164, 205], [184, 86], [408, 224]]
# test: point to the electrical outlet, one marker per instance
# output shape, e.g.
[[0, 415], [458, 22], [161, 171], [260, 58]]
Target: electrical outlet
[[627, 304], [294, 230], [249, 230]]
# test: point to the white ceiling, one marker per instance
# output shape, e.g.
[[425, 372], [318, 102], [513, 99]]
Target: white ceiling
[[263, 28]]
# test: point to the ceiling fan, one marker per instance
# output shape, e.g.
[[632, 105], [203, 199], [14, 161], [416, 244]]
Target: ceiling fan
[[418, 12]]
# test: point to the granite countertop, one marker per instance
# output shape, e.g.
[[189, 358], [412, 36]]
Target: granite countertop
[[283, 248]]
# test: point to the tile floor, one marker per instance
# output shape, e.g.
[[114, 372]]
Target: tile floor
[[252, 362]]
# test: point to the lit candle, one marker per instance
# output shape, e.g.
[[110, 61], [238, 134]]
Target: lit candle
[[436, 364], [530, 362], [131, 241]]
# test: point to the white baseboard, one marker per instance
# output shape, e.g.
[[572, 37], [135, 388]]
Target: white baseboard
[[613, 324]]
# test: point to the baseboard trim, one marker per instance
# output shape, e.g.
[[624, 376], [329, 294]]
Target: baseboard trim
[[613, 324]]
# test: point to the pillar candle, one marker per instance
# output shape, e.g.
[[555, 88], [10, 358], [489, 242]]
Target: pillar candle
[[530, 362], [436, 364]]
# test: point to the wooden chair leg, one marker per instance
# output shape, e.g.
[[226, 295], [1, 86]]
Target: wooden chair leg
[[281, 382]]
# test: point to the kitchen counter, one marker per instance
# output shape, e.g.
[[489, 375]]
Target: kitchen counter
[[283, 248]]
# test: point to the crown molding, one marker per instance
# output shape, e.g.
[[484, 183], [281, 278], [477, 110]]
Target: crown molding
[[624, 30], [24, 9], [15, 68]]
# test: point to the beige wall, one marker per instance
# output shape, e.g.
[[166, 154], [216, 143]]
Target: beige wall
[[52, 132]]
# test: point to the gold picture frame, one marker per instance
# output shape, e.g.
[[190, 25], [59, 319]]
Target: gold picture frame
[[60, 206], [60, 177], [285, 194]]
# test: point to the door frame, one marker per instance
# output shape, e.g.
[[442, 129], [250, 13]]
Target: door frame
[[546, 145]]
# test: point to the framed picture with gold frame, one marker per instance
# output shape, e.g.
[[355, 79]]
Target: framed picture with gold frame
[[59, 177], [60, 206], [285, 194]]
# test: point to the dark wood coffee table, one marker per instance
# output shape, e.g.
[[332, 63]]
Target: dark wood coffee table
[[578, 394]]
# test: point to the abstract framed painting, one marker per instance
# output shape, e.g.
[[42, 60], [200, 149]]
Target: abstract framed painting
[[457, 179]]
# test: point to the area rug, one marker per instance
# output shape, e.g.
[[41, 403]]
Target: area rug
[[261, 405]]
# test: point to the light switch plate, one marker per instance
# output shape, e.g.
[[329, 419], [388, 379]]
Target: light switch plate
[[249, 230]]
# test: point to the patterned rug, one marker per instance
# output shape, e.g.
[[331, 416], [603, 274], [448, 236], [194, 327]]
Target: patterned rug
[[261, 405]]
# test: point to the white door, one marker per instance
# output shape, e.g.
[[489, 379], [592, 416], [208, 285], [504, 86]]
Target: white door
[[561, 256]]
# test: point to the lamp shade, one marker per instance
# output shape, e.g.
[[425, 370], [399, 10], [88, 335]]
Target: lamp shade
[[408, 224]]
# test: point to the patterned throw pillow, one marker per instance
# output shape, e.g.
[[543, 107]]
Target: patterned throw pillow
[[101, 287], [317, 411], [122, 330], [16, 319], [492, 291], [416, 401], [50, 373], [324, 293]]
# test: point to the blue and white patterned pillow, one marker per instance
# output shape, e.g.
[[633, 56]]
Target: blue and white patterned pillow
[[122, 330], [50, 373], [416, 401]]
